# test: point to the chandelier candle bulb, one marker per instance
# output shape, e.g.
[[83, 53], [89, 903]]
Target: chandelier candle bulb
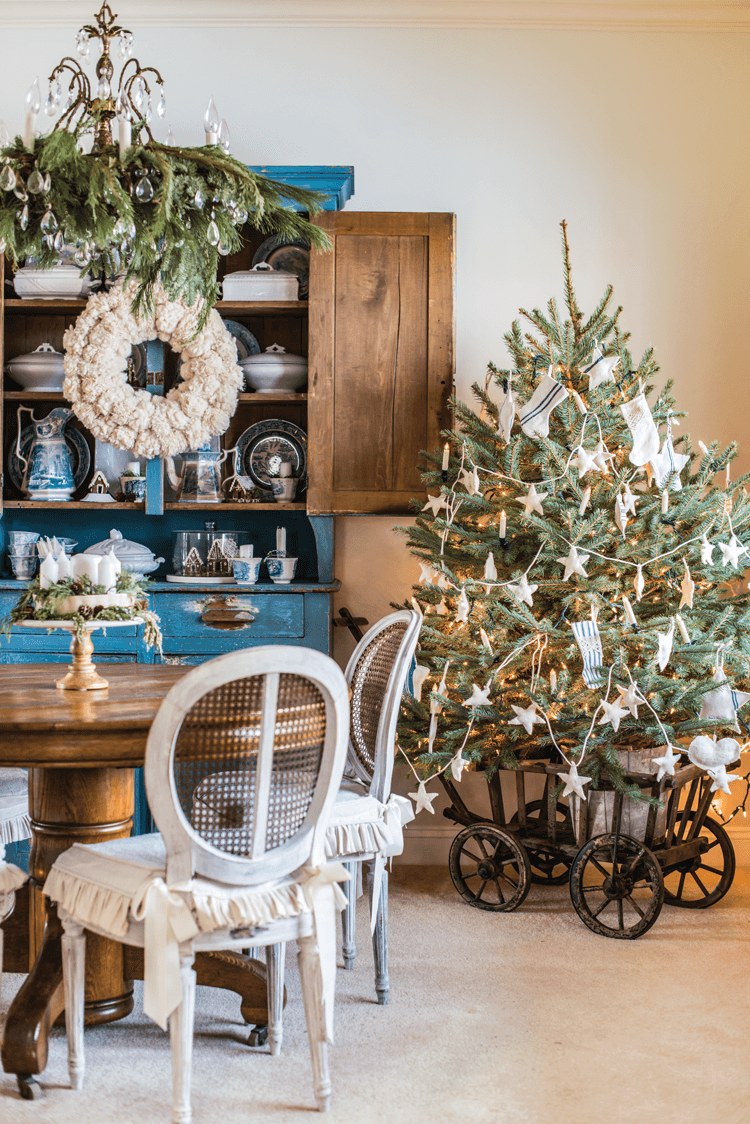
[[33, 104], [211, 122]]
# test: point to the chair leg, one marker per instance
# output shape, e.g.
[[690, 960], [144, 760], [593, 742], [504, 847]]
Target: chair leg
[[311, 978], [74, 978], [349, 915], [181, 1041], [380, 941], [275, 957]]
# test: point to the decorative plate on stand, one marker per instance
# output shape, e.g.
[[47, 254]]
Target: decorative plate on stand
[[262, 448]]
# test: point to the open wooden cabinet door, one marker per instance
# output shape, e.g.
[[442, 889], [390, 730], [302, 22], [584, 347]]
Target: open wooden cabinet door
[[381, 357]]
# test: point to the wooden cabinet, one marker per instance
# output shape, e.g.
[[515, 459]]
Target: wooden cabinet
[[381, 357]]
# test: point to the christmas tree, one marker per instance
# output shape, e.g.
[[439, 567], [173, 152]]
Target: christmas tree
[[580, 569]]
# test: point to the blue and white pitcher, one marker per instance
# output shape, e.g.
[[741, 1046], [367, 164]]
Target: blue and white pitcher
[[47, 472]]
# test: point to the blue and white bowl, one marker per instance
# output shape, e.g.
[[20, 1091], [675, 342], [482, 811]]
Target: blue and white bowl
[[281, 570], [246, 570]]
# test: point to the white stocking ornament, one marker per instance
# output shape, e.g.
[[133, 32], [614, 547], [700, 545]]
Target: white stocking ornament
[[645, 434], [534, 416]]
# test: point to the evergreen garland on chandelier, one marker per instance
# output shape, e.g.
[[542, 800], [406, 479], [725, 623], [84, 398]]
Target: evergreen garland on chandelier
[[149, 211]]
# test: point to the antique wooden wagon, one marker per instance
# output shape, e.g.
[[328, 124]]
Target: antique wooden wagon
[[622, 858]]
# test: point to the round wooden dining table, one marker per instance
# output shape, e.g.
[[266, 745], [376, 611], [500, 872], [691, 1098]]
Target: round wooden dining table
[[81, 749]]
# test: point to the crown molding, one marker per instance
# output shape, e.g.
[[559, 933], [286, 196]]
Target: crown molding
[[534, 15]]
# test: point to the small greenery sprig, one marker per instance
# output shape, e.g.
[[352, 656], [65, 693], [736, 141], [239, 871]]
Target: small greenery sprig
[[159, 212], [39, 604]]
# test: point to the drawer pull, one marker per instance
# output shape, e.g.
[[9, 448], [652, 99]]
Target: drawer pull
[[228, 618]]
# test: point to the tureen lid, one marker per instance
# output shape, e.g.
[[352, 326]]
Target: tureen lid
[[262, 268], [123, 548]]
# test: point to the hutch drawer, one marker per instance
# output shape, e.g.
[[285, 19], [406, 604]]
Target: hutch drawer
[[212, 624]]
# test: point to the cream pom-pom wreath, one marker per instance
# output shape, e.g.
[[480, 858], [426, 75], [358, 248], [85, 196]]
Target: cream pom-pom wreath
[[97, 347]]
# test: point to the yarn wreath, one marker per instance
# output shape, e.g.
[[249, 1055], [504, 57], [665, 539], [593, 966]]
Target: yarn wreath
[[97, 347]]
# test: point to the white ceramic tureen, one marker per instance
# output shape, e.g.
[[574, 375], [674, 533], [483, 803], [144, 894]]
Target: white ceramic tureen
[[134, 556]]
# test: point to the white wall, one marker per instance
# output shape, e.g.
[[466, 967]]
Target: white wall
[[638, 139]]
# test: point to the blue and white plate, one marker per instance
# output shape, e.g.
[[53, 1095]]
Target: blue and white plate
[[80, 456], [262, 448], [245, 340]]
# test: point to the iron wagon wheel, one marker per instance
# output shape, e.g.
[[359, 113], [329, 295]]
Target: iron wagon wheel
[[549, 865], [700, 882], [489, 868], [616, 886]]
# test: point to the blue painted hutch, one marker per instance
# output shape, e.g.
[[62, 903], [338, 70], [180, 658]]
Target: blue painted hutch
[[378, 333]]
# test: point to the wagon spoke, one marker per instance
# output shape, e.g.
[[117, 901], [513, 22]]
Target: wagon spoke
[[480, 891], [703, 888], [480, 841], [470, 855], [636, 907], [713, 869], [500, 892], [620, 918], [471, 874], [599, 867], [602, 907], [591, 889], [681, 886]]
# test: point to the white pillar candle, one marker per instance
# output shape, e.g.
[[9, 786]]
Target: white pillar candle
[[285, 468], [503, 525], [628, 610], [664, 502], [63, 567], [281, 540], [86, 566], [47, 572], [107, 572]]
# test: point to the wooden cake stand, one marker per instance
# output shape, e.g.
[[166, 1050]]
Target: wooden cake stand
[[82, 674]]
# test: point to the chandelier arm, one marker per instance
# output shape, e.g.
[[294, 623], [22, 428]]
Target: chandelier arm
[[83, 93]]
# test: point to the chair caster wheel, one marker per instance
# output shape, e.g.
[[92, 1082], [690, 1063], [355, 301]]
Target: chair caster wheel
[[28, 1087], [258, 1036]]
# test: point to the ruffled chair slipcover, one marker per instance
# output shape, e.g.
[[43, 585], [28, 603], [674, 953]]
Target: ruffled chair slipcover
[[268, 721], [14, 826]]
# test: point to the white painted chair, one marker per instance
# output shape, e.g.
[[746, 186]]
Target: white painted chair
[[14, 826], [366, 824], [270, 725]]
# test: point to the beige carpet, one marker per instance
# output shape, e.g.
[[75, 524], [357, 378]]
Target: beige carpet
[[521, 1018]]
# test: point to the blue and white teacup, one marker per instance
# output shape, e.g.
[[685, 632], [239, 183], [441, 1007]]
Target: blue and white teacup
[[281, 570], [24, 566], [134, 486], [22, 542], [246, 570]]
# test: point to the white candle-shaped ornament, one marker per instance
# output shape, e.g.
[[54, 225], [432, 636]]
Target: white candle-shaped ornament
[[727, 476], [281, 540], [683, 630], [446, 456], [629, 610], [579, 402], [585, 501], [703, 448], [33, 102], [553, 680], [664, 502], [47, 571], [503, 525]]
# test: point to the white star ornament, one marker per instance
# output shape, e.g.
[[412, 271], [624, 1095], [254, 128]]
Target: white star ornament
[[525, 718], [574, 563], [574, 783], [532, 501], [731, 551], [490, 569], [463, 609], [479, 696], [423, 799], [629, 698], [722, 779], [417, 680], [668, 465], [458, 764], [688, 589], [613, 713], [584, 461], [707, 551], [600, 369], [435, 503], [602, 456], [428, 574], [629, 500], [470, 481], [523, 591], [666, 763]]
